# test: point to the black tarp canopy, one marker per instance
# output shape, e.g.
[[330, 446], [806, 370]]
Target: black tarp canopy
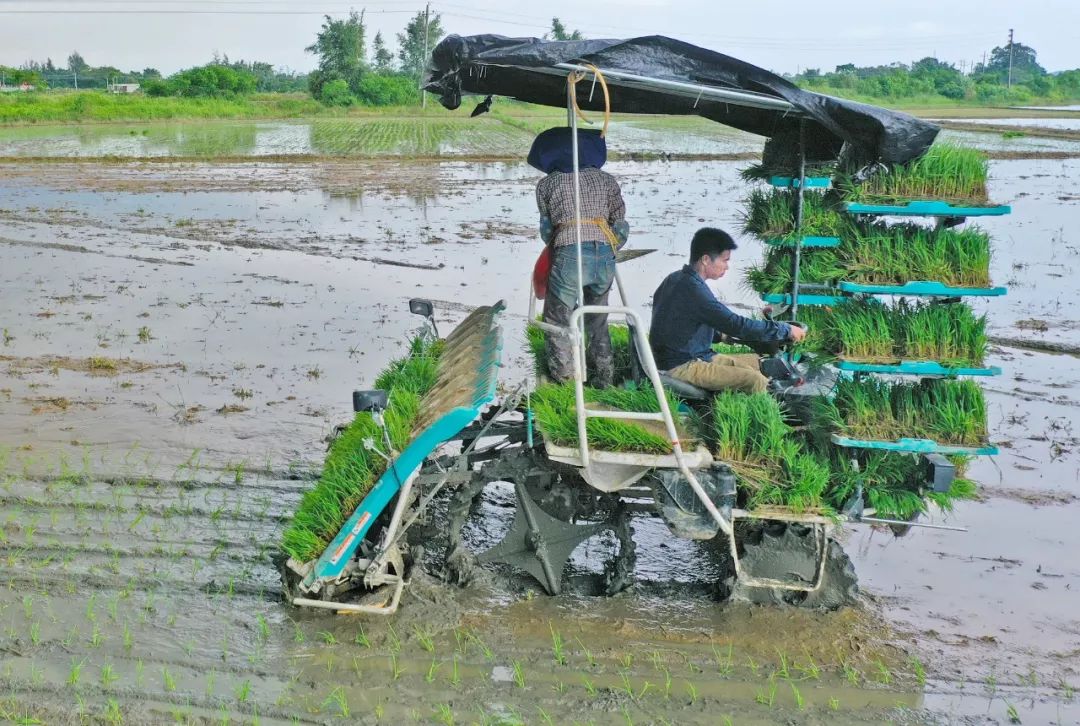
[[659, 75]]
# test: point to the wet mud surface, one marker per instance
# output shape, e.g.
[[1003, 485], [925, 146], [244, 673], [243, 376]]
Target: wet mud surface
[[177, 341]]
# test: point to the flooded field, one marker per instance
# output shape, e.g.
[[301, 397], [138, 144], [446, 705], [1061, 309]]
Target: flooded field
[[488, 137], [179, 338]]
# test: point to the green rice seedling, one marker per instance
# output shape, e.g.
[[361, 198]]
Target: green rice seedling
[[947, 411], [243, 692], [771, 215], [810, 669], [860, 330], [589, 687], [557, 646], [327, 637], [112, 714], [424, 639], [433, 669], [816, 266], [766, 696], [918, 670], [35, 632], [691, 692], [337, 698], [946, 172], [263, 627], [75, 673], [589, 658], [444, 714], [393, 640], [620, 348], [108, 676], [361, 638], [783, 671], [455, 675], [724, 664], [797, 695], [884, 675], [949, 333], [554, 406], [519, 675], [850, 674], [896, 254], [168, 681], [395, 668]]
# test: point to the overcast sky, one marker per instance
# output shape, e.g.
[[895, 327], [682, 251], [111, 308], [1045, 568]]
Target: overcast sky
[[781, 36]]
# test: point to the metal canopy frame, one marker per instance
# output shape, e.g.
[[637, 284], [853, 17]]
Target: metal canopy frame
[[694, 91]]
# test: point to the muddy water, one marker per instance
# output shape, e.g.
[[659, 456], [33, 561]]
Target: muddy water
[[179, 339]]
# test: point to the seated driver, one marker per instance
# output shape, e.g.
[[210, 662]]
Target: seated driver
[[687, 316]]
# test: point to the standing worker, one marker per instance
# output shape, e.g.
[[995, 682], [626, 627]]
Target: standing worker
[[603, 231]]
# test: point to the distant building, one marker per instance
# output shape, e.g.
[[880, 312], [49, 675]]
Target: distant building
[[123, 87]]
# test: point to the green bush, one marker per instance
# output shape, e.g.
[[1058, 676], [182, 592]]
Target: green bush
[[209, 81], [336, 93], [379, 90]]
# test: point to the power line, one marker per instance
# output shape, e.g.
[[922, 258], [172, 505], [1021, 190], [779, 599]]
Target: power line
[[191, 11]]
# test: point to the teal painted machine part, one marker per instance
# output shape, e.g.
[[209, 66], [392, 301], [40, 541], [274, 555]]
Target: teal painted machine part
[[805, 242], [922, 288], [812, 182], [916, 368], [333, 560], [926, 209], [916, 446], [804, 299]]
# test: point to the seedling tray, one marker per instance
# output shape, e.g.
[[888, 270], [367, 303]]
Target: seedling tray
[[922, 288], [783, 298], [915, 368], [812, 182], [805, 242], [926, 209], [917, 446]]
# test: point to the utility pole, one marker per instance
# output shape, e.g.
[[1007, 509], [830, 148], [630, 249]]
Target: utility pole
[[76, 74], [1010, 55], [423, 65]]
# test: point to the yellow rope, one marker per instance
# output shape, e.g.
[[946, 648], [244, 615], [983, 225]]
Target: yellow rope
[[602, 223], [576, 76]]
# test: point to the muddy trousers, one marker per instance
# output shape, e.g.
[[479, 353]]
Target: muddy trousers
[[724, 373], [598, 353]]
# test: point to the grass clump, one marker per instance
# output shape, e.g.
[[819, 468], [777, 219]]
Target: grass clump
[[868, 331], [882, 254], [895, 254], [749, 433], [555, 407], [351, 468], [946, 172], [893, 483], [771, 215], [946, 411]]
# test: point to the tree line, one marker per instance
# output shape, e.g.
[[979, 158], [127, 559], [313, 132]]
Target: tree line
[[350, 70], [1009, 75]]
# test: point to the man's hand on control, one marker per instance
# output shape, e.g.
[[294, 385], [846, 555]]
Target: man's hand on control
[[797, 333]]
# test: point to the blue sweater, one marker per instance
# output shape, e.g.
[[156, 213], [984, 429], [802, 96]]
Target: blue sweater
[[686, 314]]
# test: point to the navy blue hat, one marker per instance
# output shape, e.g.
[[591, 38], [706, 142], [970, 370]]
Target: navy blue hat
[[551, 150]]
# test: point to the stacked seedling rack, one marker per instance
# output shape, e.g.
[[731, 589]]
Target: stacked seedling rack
[[882, 269]]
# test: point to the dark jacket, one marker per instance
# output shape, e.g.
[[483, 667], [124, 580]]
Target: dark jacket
[[686, 314]]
